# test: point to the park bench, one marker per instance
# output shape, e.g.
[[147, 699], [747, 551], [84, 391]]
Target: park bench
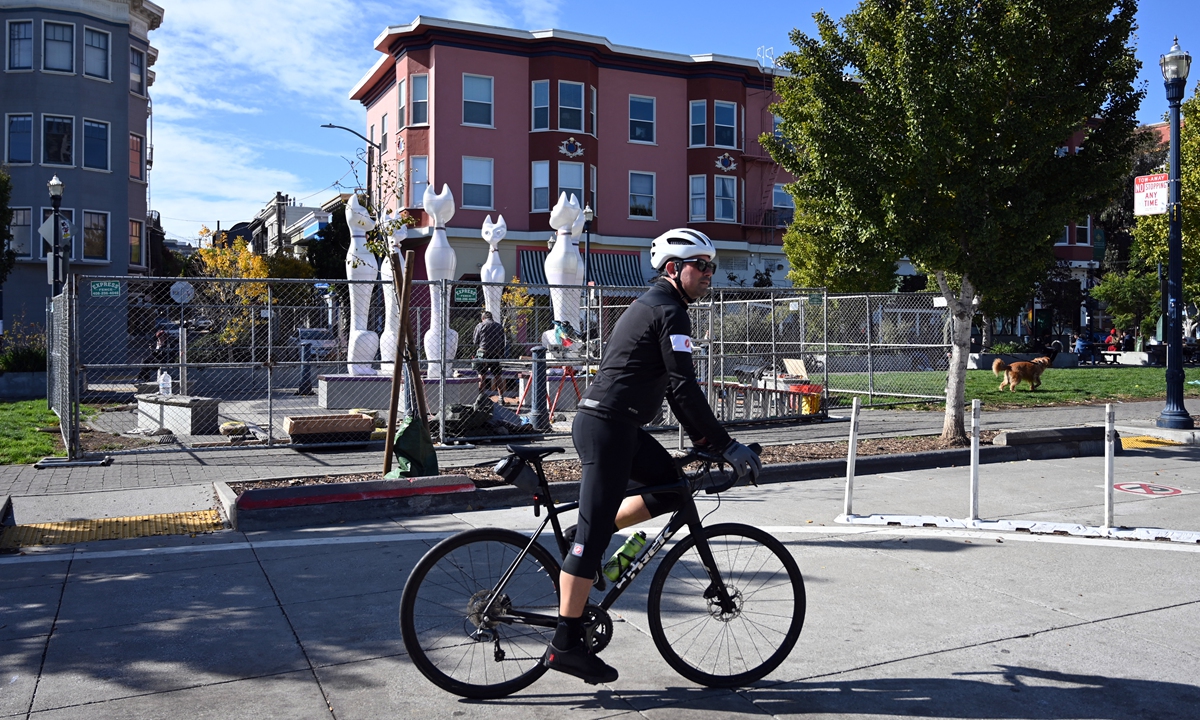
[[1112, 357]]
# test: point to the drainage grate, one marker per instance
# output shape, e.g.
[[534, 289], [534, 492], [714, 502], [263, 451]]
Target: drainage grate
[[75, 531]]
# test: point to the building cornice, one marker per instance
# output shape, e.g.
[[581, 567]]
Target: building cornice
[[141, 16]]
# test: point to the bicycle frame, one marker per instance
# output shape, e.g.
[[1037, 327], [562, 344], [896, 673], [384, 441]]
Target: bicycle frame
[[687, 516]]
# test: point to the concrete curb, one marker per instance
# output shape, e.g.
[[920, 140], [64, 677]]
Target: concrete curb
[[358, 501], [5, 509]]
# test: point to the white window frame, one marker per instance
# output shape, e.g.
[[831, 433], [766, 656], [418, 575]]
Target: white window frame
[[593, 96], [107, 146], [582, 98], [533, 106], [416, 198], [73, 33], [145, 73], [69, 213], [717, 198], [692, 125], [776, 122], [82, 230], [142, 159], [402, 108], [74, 145], [1087, 229], [782, 188], [533, 185], [413, 99], [582, 178], [402, 191], [653, 195], [693, 197], [7, 127], [653, 121], [491, 163], [108, 54], [490, 103], [29, 254], [383, 133], [592, 189], [141, 243], [8, 46], [726, 105]]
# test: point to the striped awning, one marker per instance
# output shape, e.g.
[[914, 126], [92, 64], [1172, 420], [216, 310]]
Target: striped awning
[[608, 269]]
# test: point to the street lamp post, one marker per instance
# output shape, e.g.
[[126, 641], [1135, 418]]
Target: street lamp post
[[1175, 65], [374, 153], [588, 215], [56, 190]]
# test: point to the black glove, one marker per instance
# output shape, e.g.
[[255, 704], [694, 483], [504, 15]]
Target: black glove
[[745, 461]]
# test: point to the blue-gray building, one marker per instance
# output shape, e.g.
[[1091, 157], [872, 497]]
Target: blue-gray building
[[75, 94]]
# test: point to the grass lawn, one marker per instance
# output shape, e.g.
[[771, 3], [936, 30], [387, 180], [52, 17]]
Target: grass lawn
[[20, 442], [1078, 386]]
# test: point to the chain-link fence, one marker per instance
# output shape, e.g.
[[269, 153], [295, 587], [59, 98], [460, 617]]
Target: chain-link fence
[[61, 395], [207, 362]]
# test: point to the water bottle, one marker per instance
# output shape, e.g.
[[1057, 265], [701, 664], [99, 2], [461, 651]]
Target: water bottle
[[624, 556], [164, 383]]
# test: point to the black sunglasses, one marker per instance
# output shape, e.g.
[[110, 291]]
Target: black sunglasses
[[702, 264]]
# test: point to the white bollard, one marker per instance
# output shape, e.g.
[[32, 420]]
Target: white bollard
[[1110, 449], [974, 460], [851, 458]]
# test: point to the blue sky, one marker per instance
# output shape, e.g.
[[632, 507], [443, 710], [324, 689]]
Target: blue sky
[[243, 85]]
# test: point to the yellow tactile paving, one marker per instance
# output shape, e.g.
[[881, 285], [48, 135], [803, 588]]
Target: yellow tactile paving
[[75, 531], [1145, 441]]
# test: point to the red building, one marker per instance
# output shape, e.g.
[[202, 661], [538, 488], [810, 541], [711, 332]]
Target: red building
[[649, 140]]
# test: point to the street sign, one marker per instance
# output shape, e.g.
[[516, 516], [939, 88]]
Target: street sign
[[1151, 489], [466, 295], [106, 288], [1150, 194], [46, 231], [182, 292]]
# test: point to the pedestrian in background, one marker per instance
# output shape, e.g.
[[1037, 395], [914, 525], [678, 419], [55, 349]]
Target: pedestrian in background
[[489, 347]]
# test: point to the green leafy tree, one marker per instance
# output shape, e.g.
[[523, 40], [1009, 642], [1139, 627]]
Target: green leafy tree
[[1132, 299], [929, 129], [327, 252], [8, 258]]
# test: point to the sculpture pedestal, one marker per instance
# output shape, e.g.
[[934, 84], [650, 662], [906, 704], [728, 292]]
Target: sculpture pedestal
[[181, 414], [344, 392]]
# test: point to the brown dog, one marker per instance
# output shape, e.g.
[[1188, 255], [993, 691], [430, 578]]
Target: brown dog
[[1019, 372]]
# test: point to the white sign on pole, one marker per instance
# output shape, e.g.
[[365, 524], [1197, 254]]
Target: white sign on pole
[[182, 292], [1150, 194]]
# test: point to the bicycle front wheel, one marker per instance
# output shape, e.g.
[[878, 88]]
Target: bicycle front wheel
[[452, 641], [740, 642]]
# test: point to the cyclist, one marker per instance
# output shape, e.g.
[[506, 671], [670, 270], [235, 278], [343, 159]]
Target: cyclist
[[648, 357]]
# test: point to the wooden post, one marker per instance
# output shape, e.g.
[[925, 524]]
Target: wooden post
[[402, 286]]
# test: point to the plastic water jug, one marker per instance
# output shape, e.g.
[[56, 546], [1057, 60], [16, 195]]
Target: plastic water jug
[[164, 383]]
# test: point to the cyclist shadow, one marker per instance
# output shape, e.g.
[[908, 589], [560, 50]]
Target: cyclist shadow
[[1023, 693]]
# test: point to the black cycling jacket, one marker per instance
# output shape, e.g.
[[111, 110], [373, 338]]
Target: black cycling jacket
[[648, 357]]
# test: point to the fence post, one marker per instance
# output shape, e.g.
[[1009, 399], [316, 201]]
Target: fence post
[[712, 353], [974, 460], [1110, 438], [270, 366], [851, 458], [73, 358], [825, 336], [870, 356]]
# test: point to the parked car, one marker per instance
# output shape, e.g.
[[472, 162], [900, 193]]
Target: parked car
[[321, 342]]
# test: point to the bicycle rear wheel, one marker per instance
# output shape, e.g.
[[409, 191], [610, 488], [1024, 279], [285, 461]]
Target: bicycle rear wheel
[[737, 645], [448, 640]]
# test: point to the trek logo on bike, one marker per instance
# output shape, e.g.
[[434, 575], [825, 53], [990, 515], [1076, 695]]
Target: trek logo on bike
[[577, 551], [681, 343]]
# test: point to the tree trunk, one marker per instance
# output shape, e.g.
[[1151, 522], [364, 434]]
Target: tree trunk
[[962, 309], [985, 333]]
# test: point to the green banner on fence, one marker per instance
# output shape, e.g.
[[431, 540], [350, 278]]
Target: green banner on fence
[[466, 295], [106, 288]]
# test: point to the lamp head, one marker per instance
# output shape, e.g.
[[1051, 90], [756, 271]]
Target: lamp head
[[1176, 63], [588, 213], [55, 186]]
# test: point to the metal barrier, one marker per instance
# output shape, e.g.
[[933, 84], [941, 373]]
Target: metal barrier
[[255, 362]]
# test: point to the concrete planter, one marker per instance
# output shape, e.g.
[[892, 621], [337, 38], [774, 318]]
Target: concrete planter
[[22, 385], [983, 361]]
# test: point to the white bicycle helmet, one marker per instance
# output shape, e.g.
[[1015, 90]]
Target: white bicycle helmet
[[680, 244]]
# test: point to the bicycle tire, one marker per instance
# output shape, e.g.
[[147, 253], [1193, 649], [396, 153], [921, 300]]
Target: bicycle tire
[[718, 649], [436, 622]]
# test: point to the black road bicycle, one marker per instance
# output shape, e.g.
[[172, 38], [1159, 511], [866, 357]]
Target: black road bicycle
[[725, 607]]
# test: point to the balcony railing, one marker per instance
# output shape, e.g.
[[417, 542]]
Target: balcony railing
[[773, 218]]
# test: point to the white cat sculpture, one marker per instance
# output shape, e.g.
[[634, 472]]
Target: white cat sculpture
[[360, 265], [493, 270], [564, 266], [440, 264], [391, 307]]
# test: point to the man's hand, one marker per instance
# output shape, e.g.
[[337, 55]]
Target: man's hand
[[745, 461]]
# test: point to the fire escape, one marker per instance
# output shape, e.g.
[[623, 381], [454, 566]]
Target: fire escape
[[763, 222]]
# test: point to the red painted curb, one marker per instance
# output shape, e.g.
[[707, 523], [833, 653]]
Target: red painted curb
[[267, 503]]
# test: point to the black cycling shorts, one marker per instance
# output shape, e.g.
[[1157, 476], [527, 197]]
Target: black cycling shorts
[[613, 453]]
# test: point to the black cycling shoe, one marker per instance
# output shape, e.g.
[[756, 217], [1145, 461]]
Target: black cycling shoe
[[598, 581], [579, 662]]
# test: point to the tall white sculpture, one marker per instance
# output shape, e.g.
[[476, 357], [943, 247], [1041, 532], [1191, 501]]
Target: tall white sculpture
[[493, 270], [360, 265], [440, 264], [391, 308], [564, 266]]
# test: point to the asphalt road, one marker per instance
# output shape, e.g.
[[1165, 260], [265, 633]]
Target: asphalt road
[[920, 622]]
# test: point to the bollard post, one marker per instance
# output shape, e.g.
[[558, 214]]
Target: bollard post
[[1110, 442], [304, 384], [539, 416], [851, 458], [974, 460]]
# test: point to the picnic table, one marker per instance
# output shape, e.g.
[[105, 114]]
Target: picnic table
[[1111, 356]]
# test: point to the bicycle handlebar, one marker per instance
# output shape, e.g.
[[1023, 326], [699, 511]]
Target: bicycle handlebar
[[708, 459]]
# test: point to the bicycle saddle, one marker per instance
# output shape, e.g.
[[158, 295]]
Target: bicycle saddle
[[532, 452]]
